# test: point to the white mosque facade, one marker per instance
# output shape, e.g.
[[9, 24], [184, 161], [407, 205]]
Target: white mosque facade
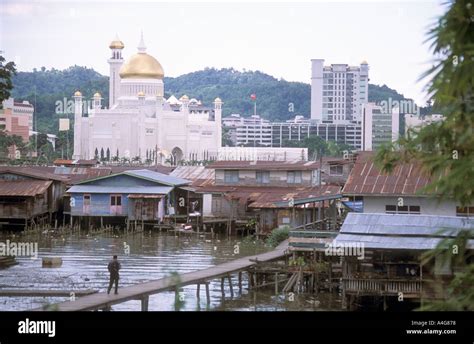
[[139, 121]]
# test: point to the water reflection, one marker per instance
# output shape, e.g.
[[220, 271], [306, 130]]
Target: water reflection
[[151, 256]]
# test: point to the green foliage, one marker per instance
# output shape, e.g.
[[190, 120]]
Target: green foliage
[[7, 71], [46, 87], [446, 149], [278, 235], [297, 262], [460, 294]]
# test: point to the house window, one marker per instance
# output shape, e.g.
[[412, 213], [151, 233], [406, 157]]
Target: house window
[[294, 177], [336, 170], [231, 177], [87, 200], [405, 209], [465, 211], [263, 177], [115, 200]]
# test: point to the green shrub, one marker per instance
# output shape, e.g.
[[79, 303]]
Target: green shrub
[[278, 235]]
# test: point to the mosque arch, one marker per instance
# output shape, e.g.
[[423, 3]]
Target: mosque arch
[[176, 156]]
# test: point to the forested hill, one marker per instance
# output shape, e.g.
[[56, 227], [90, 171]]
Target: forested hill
[[232, 86]]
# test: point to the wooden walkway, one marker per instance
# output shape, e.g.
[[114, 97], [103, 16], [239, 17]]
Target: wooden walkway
[[143, 290]]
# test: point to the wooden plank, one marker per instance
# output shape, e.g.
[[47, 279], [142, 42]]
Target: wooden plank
[[99, 300]]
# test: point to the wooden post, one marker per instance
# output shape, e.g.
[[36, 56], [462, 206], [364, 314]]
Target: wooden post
[[330, 277], [222, 287], [198, 290], [240, 282], [101, 222], [144, 301], [208, 297], [230, 286], [276, 283]]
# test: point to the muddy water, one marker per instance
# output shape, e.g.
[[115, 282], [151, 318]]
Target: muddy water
[[144, 257]]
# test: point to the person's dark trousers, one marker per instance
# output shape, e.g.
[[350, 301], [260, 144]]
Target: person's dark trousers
[[113, 279]]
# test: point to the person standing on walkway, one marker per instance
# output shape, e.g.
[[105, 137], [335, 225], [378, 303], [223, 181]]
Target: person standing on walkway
[[114, 267]]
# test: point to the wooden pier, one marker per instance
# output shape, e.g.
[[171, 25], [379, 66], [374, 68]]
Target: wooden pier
[[142, 291]]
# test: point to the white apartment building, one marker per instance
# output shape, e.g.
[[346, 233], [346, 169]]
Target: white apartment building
[[338, 91]]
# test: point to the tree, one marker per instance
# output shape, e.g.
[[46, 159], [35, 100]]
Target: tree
[[7, 70], [445, 149]]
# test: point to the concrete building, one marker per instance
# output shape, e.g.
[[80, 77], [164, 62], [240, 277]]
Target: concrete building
[[338, 91], [16, 118], [414, 121], [378, 126], [347, 133]]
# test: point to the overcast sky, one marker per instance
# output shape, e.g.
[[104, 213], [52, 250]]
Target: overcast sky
[[275, 38]]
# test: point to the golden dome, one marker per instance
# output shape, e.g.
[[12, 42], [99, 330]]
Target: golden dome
[[141, 94], [217, 100], [97, 95], [116, 44], [184, 98], [142, 66], [364, 62], [77, 94]]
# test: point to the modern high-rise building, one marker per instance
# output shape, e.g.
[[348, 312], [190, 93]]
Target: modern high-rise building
[[379, 126], [338, 91]]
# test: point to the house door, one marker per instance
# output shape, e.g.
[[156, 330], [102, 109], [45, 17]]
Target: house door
[[86, 204], [116, 204]]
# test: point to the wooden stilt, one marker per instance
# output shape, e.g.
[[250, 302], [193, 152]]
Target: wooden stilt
[[230, 286], [144, 301], [222, 287], [276, 283], [208, 297], [240, 282], [198, 290]]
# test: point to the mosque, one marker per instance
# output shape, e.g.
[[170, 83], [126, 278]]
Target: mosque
[[139, 121]]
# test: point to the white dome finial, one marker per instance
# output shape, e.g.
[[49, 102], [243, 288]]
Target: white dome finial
[[141, 45]]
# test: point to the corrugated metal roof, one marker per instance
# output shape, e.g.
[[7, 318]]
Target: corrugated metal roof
[[28, 188], [160, 190], [200, 176], [394, 231], [267, 197], [157, 177], [273, 165], [33, 172], [366, 179]]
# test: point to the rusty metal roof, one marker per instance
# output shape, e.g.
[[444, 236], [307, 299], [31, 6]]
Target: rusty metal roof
[[26, 188], [33, 172], [267, 197], [366, 179], [199, 176], [273, 165]]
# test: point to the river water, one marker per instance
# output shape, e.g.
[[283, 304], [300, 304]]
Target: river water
[[144, 256]]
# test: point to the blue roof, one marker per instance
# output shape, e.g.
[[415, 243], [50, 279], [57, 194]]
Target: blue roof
[[159, 190], [157, 177], [401, 232]]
